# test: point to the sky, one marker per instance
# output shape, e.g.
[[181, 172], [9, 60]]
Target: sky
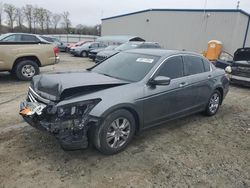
[[90, 12]]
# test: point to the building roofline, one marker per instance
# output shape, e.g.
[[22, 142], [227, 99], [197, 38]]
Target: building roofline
[[180, 10]]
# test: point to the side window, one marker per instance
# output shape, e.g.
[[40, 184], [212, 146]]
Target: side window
[[95, 45], [29, 38], [12, 38], [172, 68], [103, 45], [193, 65], [206, 65]]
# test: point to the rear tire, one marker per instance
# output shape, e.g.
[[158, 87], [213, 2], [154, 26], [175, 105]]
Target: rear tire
[[26, 69], [115, 133], [213, 103]]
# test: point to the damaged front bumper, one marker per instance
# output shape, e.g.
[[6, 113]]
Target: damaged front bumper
[[70, 130]]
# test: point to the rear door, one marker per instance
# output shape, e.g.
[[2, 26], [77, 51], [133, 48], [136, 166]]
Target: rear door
[[199, 76]]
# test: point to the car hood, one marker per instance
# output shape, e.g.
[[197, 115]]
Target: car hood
[[59, 86], [97, 50], [242, 54], [108, 53]]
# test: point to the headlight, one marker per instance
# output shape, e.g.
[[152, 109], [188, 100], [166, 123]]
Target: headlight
[[228, 69], [76, 110]]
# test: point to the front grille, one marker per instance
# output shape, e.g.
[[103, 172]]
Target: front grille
[[34, 97], [242, 71]]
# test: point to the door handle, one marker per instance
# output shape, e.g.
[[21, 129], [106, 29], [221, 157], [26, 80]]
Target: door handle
[[182, 84], [209, 76]]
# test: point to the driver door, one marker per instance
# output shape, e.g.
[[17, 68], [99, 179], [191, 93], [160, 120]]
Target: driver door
[[163, 102]]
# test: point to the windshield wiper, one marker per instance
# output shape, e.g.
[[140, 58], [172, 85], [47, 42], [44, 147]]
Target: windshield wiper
[[115, 77]]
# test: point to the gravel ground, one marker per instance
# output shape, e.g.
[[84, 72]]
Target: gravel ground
[[196, 151]]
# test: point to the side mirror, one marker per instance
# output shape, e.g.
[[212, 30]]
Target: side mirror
[[160, 80], [228, 69]]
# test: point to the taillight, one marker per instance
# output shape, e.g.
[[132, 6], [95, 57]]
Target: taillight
[[56, 50]]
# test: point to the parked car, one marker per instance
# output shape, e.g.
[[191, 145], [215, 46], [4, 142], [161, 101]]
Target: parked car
[[61, 45], [125, 94], [22, 54], [72, 45], [126, 46], [240, 67], [93, 53], [224, 60], [83, 51]]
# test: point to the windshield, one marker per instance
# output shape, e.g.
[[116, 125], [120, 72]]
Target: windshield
[[110, 47], [85, 45], [127, 46], [127, 66]]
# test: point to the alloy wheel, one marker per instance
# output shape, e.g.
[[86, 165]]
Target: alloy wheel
[[118, 132], [214, 103]]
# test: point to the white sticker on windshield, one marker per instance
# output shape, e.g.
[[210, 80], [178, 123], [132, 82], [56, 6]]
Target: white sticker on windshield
[[145, 60]]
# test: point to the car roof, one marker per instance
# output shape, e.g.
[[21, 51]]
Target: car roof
[[161, 52], [22, 34], [140, 42]]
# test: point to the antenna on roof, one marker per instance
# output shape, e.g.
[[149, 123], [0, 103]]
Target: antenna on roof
[[238, 4]]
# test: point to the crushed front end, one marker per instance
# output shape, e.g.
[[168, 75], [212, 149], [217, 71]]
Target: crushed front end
[[69, 122]]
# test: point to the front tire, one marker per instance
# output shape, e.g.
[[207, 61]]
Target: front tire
[[115, 133], [213, 103], [26, 70], [84, 54]]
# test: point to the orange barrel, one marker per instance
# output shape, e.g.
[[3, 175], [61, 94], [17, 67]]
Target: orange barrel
[[213, 50]]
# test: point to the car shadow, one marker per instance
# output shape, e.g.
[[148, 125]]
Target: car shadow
[[48, 144], [6, 76]]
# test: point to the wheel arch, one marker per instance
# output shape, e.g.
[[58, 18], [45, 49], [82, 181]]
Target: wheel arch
[[130, 108], [32, 57], [220, 89]]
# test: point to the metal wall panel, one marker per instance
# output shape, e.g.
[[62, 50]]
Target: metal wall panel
[[182, 30]]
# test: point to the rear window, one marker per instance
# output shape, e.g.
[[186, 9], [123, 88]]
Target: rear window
[[193, 65]]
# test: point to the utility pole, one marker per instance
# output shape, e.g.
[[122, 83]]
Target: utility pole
[[238, 4]]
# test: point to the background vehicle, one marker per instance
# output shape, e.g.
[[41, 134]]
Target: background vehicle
[[127, 93], [126, 46], [240, 67], [72, 45], [93, 53], [61, 45], [23, 54], [84, 50]]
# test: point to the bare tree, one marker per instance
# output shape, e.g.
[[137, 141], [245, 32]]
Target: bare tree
[[47, 19], [1, 15], [19, 17], [55, 20], [66, 21], [28, 13], [35, 17], [10, 11], [40, 17]]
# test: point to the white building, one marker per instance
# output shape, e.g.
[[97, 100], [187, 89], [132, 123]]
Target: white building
[[188, 29]]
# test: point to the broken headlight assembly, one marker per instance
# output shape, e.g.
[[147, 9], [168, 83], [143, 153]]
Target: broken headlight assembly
[[77, 110]]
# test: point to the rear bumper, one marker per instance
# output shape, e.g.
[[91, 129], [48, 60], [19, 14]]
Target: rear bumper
[[240, 80]]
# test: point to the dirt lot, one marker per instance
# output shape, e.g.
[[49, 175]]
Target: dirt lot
[[196, 151]]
